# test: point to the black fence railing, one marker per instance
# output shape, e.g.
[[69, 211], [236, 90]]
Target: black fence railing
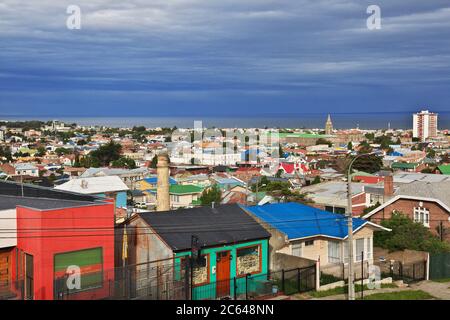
[[173, 282], [408, 272]]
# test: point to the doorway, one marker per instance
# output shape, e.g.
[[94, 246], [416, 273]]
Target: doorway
[[223, 274]]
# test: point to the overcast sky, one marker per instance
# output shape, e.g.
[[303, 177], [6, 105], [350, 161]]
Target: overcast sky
[[227, 57]]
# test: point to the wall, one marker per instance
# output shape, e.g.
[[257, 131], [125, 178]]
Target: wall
[[43, 242], [406, 206], [200, 292], [287, 262], [8, 222]]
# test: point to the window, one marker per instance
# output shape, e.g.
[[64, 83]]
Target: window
[[309, 243], [369, 248], [297, 249], [334, 252], [422, 215], [359, 247], [346, 252], [201, 271], [248, 260]]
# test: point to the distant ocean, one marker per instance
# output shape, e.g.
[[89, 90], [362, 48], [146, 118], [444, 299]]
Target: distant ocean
[[396, 120]]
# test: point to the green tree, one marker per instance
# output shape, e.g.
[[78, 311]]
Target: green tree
[[407, 234], [154, 162], [105, 154], [370, 163], [210, 195], [323, 141], [350, 146], [316, 180], [62, 151], [124, 162]]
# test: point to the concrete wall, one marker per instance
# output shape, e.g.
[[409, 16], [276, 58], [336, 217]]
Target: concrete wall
[[8, 222], [286, 261]]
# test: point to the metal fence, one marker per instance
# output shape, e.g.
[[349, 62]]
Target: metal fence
[[335, 272], [440, 266], [408, 272], [173, 282]]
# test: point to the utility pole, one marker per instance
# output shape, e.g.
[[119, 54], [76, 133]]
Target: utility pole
[[351, 285]]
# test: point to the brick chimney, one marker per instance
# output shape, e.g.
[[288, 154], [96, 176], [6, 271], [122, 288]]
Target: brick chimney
[[388, 185], [162, 188]]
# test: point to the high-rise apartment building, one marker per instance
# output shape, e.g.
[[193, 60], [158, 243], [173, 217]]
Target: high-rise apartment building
[[425, 125]]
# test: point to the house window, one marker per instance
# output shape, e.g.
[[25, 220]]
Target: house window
[[248, 260], [297, 249], [201, 272], [422, 215], [359, 247], [309, 243], [369, 248], [334, 252]]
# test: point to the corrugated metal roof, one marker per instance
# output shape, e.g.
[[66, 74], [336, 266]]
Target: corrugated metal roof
[[301, 221], [222, 225]]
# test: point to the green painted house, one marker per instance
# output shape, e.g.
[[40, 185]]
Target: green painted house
[[232, 257]]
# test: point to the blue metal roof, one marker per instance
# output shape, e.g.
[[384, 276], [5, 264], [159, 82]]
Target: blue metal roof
[[300, 221], [154, 180]]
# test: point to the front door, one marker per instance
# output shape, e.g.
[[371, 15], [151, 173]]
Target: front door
[[223, 274], [29, 277], [5, 272]]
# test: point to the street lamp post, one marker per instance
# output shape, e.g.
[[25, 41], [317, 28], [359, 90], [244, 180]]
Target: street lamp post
[[351, 285]]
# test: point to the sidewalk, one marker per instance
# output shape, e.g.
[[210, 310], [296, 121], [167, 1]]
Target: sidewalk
[[436, 289]]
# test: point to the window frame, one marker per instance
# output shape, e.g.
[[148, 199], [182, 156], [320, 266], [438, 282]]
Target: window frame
[[259, 245]]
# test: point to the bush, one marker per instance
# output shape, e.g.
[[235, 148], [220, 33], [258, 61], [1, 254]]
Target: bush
[[407, 234]]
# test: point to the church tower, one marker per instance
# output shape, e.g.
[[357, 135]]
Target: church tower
[[329, 126]]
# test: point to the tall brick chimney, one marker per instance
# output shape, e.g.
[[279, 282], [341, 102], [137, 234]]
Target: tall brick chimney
[[388, 185], [162, 188]]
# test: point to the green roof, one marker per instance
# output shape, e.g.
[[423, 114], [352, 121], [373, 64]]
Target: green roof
[[404, 165], [361, 174], [185, 189], [445, 169]]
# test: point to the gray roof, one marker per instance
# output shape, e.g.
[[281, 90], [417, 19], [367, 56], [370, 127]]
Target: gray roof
[[11, 202], [433, 190], [424, 177], [226, 224]]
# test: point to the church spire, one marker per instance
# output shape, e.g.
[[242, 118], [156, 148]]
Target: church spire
[[329, 126]]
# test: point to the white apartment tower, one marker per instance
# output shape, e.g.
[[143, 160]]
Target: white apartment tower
[[425, 125]]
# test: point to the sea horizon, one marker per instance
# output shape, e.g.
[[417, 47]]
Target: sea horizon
[[341, 120]]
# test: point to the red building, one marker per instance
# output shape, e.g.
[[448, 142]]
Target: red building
[[63, 246]]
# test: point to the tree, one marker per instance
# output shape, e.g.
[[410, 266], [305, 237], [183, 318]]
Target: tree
[[350, 146], [124, 162], [62, 151], [5, 154], [154, 162], [316, 180], [368, 209], [407, 234], [211, 195], [105, 154], [370, 163], [323, 141]]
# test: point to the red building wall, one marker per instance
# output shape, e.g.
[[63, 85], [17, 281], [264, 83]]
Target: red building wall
[[46, 233]]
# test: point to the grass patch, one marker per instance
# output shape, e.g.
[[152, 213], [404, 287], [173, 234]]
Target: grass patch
[[444, 280], [344, 290], [401, 295]]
